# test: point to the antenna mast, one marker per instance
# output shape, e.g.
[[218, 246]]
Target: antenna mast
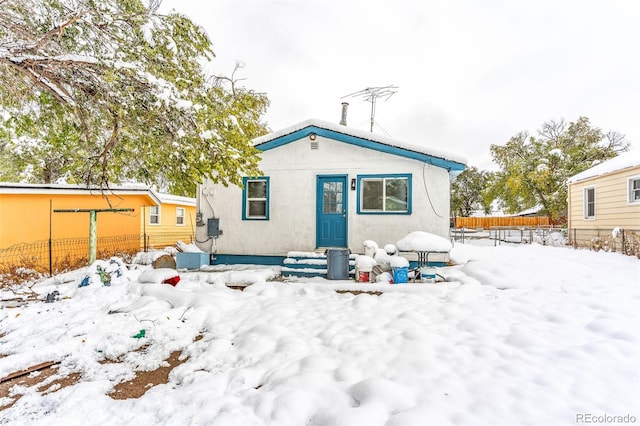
[[371, 94]]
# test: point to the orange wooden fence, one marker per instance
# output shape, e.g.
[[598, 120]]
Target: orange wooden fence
[[487, 222]]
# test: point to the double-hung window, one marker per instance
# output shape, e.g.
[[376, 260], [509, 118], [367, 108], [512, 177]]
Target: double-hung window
[[634, 190], [384, 194], [154, 215], [590, 202], [255, 198], [180, 213]]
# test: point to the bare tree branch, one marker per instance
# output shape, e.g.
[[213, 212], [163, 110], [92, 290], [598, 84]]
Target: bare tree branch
[[219, 80], [552, 130], [59, 30], [153, 6], [617, 140]]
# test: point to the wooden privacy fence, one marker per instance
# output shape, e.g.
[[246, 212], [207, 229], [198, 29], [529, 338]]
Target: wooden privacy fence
[[511, 221]]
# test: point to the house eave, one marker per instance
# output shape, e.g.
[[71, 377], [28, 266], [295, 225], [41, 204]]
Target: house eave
[[622, 163], [24, 188], [572, 180], [361, 139], [177, 200]]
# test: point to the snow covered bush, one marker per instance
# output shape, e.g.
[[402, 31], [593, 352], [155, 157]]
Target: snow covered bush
[[631, 244], [627, 241], [19, 280], [556, 239], [599, 243]]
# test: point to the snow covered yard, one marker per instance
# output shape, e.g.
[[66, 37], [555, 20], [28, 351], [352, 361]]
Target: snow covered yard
[[519, 335]]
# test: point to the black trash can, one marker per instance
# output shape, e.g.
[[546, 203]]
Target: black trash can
[[337, 263]]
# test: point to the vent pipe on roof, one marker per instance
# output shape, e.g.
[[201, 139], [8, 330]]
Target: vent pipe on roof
[[343, 120]]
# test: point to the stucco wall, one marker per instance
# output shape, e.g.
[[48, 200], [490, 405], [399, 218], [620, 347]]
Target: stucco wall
[[25, 218], [292, 170]]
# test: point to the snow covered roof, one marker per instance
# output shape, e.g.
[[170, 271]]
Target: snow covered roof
[[176, 199], [621, 162], [528, 212], [360, 138], [55, 188]]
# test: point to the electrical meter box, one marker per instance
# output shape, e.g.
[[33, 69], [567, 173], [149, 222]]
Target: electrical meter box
[[213, 227]]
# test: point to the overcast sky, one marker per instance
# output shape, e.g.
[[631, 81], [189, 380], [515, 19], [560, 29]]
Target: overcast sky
[[470, 73]]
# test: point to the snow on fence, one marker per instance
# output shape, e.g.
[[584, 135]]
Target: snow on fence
[[547, 235], [625, 241]]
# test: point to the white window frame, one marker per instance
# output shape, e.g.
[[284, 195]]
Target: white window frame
[[181, 213], [586, 202], [630, 191], [157, 215]]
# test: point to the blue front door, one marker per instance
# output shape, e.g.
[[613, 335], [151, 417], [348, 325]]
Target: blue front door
[[331, 211]]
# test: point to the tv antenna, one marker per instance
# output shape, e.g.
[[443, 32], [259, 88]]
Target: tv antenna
[[371, 94]]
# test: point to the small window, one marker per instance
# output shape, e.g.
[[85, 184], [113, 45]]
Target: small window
[[154, 215], [180, 213], [634, 189], [332, 198], [590, 203], [390, 194], [255, 199]]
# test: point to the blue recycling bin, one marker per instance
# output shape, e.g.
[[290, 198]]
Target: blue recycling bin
[[400, 275]]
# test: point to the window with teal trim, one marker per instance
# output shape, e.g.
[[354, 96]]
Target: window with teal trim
[[255, 198], [386, 194]]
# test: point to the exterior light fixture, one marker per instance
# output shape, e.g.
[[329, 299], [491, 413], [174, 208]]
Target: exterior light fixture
[[312, 136], [353, 184]]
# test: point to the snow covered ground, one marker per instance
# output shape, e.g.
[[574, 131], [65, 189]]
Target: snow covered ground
[[531, 334]]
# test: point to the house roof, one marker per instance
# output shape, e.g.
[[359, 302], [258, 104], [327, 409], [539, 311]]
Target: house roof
[[360, 138], [621, 162], [176, 199], [30, 188]]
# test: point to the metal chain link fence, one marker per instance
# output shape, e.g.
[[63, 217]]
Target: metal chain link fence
[[625, 241]]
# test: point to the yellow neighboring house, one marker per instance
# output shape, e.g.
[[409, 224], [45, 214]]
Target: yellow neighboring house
[[47, 226], [173, 219], [605, 198]]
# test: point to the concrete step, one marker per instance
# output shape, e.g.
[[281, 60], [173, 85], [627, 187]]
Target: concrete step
[[309, 264]]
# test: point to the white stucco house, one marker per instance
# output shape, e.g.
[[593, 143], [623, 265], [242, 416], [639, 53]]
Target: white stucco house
[[327, 185]]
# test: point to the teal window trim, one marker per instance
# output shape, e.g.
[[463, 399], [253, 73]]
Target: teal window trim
[[383, 177], [245, 199]]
